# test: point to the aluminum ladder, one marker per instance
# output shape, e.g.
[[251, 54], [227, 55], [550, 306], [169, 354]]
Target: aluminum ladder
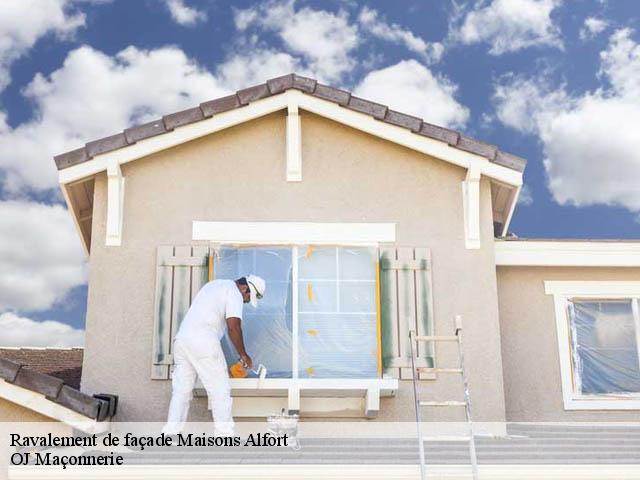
[[466, 403]]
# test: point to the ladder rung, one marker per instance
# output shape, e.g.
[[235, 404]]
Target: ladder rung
[[447, 438], [438, 370], [431, 338], [448, 403]]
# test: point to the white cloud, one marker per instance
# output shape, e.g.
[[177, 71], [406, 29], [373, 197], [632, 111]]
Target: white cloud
[[591, 141], [380, 28], [510, 25], [185, 15], [423, 94], [241, 70], [324, 39], [524, 104], [592, 27], [93, 95], [23, 22], [621, 65], [526, 196], [41, 258], [18, 331]]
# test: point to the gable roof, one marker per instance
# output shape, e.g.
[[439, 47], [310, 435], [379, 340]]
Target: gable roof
[[276, 86], [78, 168]]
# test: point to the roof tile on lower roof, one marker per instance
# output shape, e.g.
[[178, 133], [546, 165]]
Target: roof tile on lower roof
[[63, 363], [52, 372], [276, 86]]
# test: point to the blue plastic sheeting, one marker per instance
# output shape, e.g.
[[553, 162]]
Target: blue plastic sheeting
[[336, 304], [267, 328], [337, 312], [605, 350]]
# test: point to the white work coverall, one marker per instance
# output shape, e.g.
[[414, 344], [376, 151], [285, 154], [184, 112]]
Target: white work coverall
[[197, 352]]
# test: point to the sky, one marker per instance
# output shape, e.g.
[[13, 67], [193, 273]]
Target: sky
[[554, 81]]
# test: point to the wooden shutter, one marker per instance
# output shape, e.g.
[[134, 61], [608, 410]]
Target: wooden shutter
[[180, 273], [406, 304]]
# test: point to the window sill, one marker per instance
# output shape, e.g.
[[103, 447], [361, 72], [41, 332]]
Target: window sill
[[370, 389], [603, 403]]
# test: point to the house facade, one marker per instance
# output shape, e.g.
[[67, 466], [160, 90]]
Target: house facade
[[367, 224]]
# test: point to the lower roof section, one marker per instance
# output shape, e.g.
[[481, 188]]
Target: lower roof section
[[529, 451]]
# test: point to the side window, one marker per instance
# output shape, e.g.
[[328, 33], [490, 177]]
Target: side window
[[604, 347]]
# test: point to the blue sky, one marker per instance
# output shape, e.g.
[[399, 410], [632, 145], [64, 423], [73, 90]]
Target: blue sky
[[556, 82]]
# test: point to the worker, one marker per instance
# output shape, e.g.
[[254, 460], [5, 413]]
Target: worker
[[197, 351]]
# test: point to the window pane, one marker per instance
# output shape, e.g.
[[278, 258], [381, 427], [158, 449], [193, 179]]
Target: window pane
[[337, 346], [605, 353], [358, 297], [357, 263], [337, 312], [267, 328], [317, 296], [315, 263]]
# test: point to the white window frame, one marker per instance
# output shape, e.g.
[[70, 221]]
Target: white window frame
[[295, 234], [562, 292], [295, 306]]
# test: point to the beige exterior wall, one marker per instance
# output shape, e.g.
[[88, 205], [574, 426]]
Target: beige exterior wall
[[239, 175], [532, 382], [12, 412]]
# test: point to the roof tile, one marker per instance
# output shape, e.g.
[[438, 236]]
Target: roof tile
[[304, 84], [184, 117], [278, 85], [403, 120], [477, 147], [365, 106], [68, 159], [147, 130], [286, 82], [439, 133], [220, 105], [252, 94], [8, 369], [78, 401], [38, 382], [510, 161], [335, 95], [106, 144], [63, 363]]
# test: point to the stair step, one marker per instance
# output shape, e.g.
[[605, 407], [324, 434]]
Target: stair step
[[448, 403], [447, 438]]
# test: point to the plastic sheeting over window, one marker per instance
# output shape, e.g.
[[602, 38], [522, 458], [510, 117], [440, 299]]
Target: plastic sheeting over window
[[605, 348], [336, 305], [266, 329], [337, 312]]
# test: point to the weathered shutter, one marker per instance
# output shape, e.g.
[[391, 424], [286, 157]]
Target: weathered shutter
[[406, 304], [180, 273]]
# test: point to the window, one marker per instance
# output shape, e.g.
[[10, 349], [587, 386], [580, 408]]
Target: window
[[604, 347], [318, 318], [599, 337]]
